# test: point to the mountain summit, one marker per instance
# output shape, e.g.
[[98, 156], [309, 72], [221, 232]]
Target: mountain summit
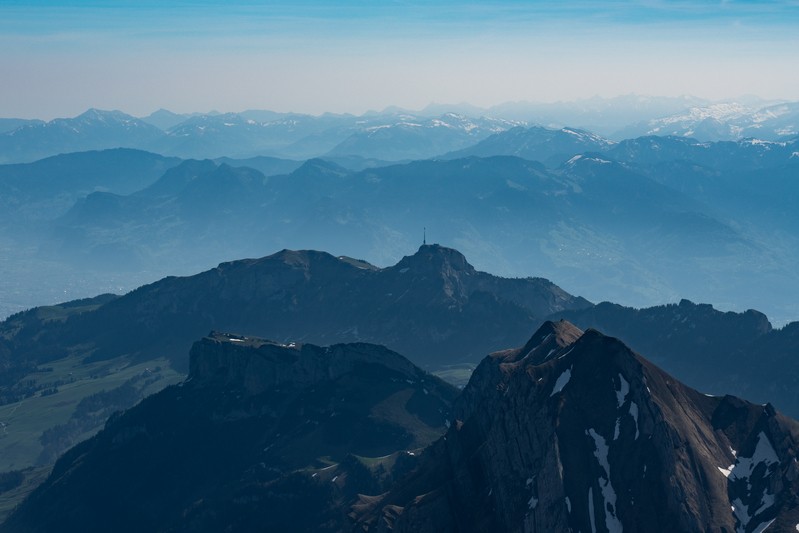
[[575, 432]]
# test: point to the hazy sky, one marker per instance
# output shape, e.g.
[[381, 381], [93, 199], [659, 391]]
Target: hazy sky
[[59, 57]]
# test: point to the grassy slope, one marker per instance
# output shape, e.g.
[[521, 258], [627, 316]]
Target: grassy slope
[[26, 420]]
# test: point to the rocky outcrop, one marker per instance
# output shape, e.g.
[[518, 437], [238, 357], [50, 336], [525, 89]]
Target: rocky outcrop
[[257, 365], [586, 435]]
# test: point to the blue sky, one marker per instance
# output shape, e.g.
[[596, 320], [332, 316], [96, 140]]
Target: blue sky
[[60, 57]]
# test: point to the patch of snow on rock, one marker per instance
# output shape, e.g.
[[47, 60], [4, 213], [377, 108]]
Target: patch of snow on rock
[[744, 475], [634, 414], [624, 389], [532, 502], [561, 382], [612, 522]]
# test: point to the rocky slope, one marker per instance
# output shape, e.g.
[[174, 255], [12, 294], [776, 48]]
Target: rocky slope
[[262, 436], [714, 351], [575, 432]]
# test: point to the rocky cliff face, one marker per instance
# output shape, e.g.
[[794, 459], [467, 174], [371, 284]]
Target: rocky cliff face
[[262, 436], [256, 365], [578, 433]]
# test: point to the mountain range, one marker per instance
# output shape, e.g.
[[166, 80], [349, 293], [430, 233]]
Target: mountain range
[[393, 134], [642, 222], [78, 362], [250, 134], [571, 432], [724, 122]]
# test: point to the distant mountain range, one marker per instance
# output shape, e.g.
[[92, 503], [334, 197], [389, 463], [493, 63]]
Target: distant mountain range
[[391, 135], [724, 122], [571, 432], [641, 221]]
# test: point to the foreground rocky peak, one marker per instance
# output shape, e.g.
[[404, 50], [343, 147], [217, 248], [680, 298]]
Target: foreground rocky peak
[[589, 436]]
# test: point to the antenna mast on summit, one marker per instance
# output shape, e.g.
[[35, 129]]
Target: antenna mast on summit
[[424, 236]]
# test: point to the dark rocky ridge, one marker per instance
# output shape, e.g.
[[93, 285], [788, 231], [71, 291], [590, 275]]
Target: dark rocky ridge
[[428, 306], [262, 436], [589, 436], [713, 351]]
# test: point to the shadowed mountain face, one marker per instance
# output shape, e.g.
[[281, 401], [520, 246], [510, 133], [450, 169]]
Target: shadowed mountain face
[[262, 436], [571, 432], [575, 432]]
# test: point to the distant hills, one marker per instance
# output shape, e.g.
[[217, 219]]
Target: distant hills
[[641, 221], [571, 432]]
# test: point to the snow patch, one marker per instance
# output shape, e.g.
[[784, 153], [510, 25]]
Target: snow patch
[[764, 453], [624, 389], [569, 508], [561, 382], [741, 475], [567, 353], [612, 522], [764, 526], [634, 413]]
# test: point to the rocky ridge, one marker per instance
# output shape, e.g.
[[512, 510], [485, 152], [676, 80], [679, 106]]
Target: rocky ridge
[[586, 435]]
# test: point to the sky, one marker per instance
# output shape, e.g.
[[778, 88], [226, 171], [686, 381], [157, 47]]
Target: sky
[[58, 58]]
